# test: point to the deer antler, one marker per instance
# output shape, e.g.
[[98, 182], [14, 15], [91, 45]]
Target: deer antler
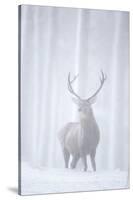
[[70, 86], [102, 80]]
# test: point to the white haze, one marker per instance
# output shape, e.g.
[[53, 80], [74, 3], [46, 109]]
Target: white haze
[[54, 42]]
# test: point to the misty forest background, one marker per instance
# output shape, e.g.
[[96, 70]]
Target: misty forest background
[[54, 42]]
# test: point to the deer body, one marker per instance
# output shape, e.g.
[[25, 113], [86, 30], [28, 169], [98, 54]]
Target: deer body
[[80, 139]]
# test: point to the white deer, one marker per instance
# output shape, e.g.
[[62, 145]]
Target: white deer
[[80, 139]]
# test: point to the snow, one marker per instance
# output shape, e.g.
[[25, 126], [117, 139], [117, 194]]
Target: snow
[[59, 180]]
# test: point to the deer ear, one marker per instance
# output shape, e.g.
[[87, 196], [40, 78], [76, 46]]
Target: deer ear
[[93, 100], [76, 101]]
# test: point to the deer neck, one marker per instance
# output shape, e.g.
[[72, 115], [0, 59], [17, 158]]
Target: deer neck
[[87, 121]]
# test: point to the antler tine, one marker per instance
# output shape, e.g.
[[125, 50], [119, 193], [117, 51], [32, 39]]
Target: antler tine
[[70, 86], [69, 83], [75, 77], [102, 79]]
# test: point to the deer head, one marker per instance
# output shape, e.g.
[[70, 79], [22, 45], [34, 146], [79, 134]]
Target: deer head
[[84, 105]]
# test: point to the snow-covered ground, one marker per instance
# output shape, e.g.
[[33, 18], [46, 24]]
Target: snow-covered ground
[[55, 180]]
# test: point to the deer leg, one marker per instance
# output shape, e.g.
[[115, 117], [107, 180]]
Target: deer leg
[[74, 161], [66, 157], [84, 160], [92, 156]]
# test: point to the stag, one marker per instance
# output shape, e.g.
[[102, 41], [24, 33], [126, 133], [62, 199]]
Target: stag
[[80, 139]]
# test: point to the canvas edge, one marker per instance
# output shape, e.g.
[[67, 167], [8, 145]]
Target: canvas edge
[[19, 100]]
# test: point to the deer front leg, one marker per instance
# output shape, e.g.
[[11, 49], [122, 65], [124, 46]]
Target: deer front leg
[[84, 160], [92, 156], [66, 157], [74, 161]]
